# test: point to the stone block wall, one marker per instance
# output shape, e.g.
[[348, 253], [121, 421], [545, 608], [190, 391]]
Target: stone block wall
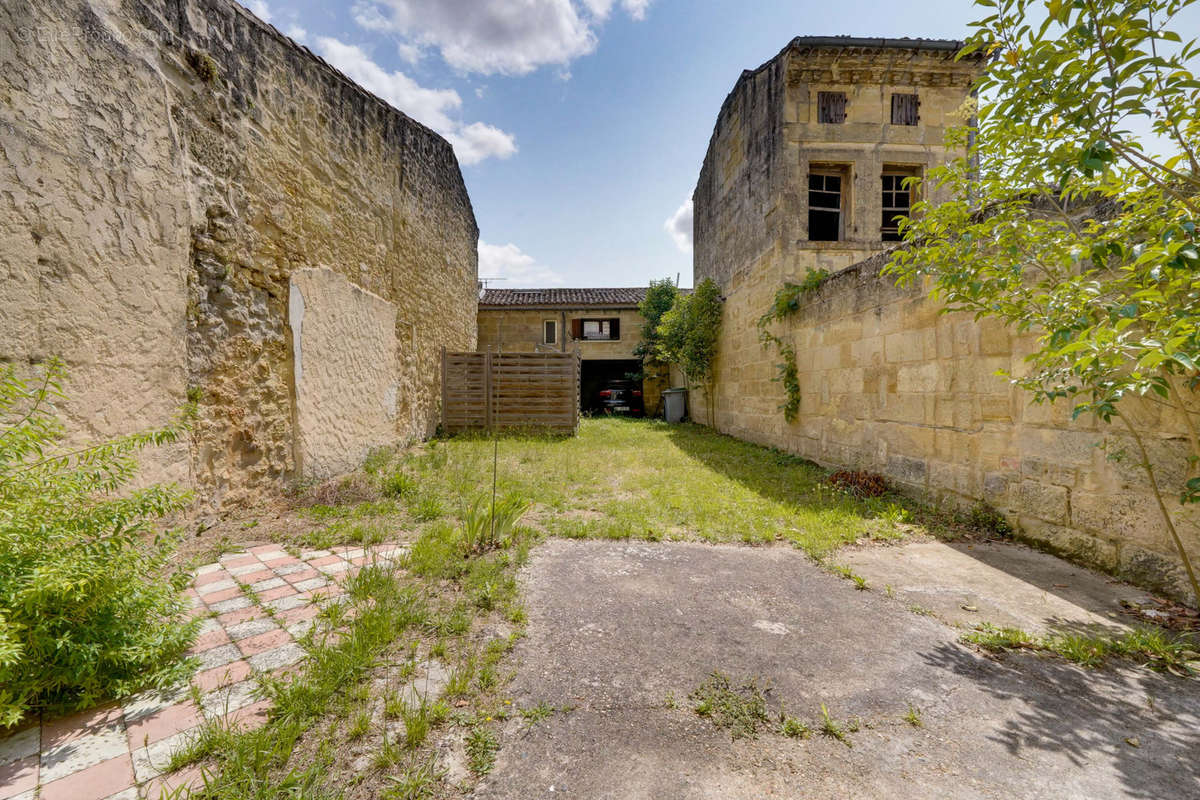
[[520, 330], [892, 385], [171, 166]]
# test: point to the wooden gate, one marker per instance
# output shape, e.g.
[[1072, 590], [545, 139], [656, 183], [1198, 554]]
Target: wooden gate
[[510, 390]]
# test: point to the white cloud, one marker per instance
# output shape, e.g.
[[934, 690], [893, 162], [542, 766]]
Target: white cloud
[[510, 37], [297, 33], [259, 8], [472, 142], [679, 225], [519, 269]]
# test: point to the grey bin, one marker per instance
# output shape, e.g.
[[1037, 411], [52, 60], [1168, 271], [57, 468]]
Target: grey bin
[[675, 401]]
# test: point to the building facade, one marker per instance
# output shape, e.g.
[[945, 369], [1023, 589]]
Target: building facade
[[603, 325], [804, 171]]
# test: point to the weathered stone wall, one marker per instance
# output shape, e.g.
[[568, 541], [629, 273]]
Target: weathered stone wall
[[889, 383], [892, 385], [520, 330], [168, 165]]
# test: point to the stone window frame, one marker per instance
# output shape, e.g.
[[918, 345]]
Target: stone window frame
[[843, 171], [890, 233], [548, 326]]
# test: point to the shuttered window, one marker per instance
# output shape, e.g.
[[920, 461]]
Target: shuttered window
[[905, 109], [596, 330], [831, 107]]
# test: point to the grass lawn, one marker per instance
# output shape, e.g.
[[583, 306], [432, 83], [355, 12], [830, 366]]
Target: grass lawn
[[625, 478]]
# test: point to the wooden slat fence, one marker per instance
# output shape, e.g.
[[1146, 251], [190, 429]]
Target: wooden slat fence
[[510, 390]]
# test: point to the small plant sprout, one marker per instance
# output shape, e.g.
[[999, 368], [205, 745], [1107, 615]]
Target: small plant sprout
[[481, 746], [794, 728], [913, 716], [832, 728]]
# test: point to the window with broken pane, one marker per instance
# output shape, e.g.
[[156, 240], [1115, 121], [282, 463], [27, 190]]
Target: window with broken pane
[[824, 207]]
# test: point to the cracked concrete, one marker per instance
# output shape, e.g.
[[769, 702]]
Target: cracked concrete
[[617, 628]]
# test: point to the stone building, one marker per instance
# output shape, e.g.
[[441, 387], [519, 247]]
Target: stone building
[[804, 171], [196, 207], [604, 325]]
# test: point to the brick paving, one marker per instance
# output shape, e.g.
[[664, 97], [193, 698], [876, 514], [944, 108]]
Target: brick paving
[[119, 751]]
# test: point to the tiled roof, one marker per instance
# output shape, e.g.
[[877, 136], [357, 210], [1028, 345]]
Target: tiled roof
[[568, 298]]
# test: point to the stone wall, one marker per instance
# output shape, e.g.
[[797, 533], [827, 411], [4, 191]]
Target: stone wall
[[892, 385], [169, 166], [888, 383]]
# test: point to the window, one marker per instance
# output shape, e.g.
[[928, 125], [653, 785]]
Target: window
[[897, 202], [904, 109], [831, 107], [596, 330], [549, 332], [824, 206]]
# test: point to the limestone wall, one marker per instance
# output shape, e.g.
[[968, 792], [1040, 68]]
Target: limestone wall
[[891, 385], [520, 330], [168, 167]]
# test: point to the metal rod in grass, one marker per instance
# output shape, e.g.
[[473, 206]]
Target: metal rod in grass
[[495, 463]]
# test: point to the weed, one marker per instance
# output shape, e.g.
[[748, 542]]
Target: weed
[[986, 519], [418, 718], [859, 483], [794, 728], [669, 701], [428, 508], [990, 637], [388, 755], [742, 709], [377, 460], [849, 574], [359, 725], [459, 682], [416, 783], [913, 716], [481, 745], [920, 610], [533, 716], [1153, 647], [832, 728], [399, 484]]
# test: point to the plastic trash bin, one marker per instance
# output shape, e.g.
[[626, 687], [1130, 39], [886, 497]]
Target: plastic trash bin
[[675, 401]]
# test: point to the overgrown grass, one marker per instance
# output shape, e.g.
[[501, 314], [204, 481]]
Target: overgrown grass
[[621, 478], [1151, 647], [741, 709]]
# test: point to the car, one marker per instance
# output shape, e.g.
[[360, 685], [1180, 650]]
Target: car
[[621, 397]]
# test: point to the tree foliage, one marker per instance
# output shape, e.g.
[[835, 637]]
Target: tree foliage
[[659, 299], [88, 606], [688, 334], [1064, 222]]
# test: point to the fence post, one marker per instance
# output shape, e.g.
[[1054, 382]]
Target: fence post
[[444, 426], [487, 387]]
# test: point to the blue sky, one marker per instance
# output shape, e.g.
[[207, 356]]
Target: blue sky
[[581, 124]]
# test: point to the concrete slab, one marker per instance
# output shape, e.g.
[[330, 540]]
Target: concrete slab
[[616, 627], [1006, 584]]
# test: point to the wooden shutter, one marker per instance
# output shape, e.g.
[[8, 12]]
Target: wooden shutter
[[614, 328], [831, 107], [576, 329], [904, 109]]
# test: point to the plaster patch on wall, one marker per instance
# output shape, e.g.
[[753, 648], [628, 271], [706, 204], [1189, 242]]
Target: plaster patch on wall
[[346, 396], [296, 323]]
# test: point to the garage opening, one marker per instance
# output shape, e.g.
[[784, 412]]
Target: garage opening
[[595, 377]]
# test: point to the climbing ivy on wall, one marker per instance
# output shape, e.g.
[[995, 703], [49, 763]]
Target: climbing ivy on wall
[[787, 302]]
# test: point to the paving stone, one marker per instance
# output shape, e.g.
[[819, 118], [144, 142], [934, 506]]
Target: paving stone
[[218, 656], [231, 698], [331, 569], [264, 641], [72, 754], [216, 586], [129, 794], [232, 604], [270, 583], [211, 679], [273, 555], [302, 612], [209, 578], [286, 603], [274, 659], [252, 628], [258, 576], [208, 625], [18, 776], [301, 627], [216, 598], [239, 615], [289, 569], [162, 724], [238, 560], [209, 640], [143, 705], [245, 569], [149, 762], [309, 555], [22, 744], [93, 783], [29, 795], [207, 568], [250, 717], [310, 584], [190, 777], [276, 593]]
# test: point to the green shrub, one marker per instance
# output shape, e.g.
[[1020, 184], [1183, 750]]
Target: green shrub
[[88, 607]]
